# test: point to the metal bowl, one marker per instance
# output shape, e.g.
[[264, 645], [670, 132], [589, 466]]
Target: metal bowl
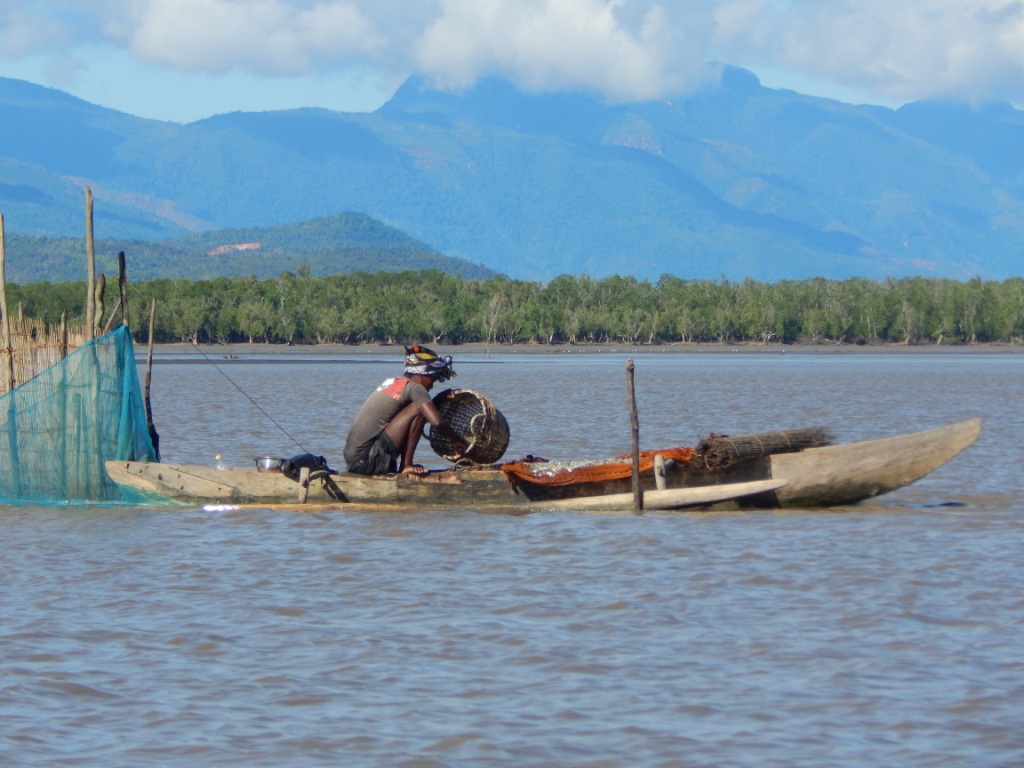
[[268, 464]]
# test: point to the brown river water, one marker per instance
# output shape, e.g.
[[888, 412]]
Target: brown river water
[[890, 633]]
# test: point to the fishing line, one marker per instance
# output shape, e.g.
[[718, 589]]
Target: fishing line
[[245, 394], [247, 397]]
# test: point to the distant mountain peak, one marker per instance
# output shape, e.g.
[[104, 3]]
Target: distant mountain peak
[[735, 179], [738, 79]]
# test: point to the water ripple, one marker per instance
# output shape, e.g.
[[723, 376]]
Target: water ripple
[[888, 634]]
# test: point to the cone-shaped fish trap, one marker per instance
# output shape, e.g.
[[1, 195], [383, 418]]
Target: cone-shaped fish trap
[[721, 452], [475, 419]]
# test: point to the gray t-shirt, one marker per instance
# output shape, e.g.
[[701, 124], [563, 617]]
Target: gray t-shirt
[[379, 409]]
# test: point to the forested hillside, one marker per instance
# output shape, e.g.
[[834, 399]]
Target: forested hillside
[[325, 246]]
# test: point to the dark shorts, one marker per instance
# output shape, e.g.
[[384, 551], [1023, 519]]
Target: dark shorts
[[381, 458]]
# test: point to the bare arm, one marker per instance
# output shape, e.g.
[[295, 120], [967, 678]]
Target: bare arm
[[436, 421]]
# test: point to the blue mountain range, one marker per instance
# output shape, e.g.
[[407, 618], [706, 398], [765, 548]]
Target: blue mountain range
[[735, 181]]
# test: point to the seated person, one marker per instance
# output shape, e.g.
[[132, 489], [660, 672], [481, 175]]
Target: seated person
[[389, 424]]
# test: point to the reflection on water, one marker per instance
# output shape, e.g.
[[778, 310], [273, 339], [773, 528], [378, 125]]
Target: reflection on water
[[885, 634]]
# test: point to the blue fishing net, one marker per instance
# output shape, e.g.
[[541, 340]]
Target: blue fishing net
[[59, 428]]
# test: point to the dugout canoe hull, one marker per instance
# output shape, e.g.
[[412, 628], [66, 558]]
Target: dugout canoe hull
[[814, 477]]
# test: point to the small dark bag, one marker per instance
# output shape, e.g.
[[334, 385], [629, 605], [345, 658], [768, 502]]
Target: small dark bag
[[293, 466]]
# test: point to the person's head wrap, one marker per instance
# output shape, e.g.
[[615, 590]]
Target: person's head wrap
[[424, 362]]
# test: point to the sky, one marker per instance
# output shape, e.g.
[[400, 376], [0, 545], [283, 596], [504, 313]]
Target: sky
[[184, 60]]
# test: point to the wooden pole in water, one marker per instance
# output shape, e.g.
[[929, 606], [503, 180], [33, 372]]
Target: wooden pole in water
[[8, 350], [634, 422], [122, 295], [64, 334], [122, 287], [100, 308], [13, 456], [149, 377], [90, 263]]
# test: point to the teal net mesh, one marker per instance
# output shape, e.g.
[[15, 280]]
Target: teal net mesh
[[59, 428]]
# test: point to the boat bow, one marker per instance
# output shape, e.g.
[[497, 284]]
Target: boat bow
[[851, 472]]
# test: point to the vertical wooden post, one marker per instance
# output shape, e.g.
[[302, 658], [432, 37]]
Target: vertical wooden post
[[8, 350], [12, 413], [153, 436], [634, 422], [90, 262], [122, 288], [63, 334], [98, 304]]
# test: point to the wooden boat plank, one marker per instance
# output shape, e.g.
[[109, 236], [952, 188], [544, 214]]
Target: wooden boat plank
[[196, 483], [190, 483], [165, 479], [671, 498]]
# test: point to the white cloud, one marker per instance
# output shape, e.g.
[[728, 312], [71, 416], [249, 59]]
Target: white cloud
[[626, 49], [971, 49], [24, 32], [271, 37]]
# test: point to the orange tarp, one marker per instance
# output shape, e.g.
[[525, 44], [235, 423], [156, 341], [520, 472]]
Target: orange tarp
[[532, 470]]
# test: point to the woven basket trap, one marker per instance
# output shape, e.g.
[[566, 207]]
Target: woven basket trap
[[475, 419]]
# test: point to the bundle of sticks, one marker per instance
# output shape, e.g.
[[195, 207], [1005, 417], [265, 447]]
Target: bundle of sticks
[[721, 451]]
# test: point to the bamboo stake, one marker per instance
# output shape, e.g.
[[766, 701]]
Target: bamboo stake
[[90, 260], [122, 297], [113, 314], [8, 351], [12, 412], [634, 422], [122, 287], [101, 289], [63, 334], [149, 377]]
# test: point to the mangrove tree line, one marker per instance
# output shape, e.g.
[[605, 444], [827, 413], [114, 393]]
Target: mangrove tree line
[[387, 307]]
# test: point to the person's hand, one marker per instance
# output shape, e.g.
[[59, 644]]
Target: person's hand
[[414, 469]]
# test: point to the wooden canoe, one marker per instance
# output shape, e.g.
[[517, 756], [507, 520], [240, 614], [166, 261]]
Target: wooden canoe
[[814, 477]]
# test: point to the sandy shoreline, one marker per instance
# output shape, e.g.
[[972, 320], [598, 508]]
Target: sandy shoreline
[[242, 351]]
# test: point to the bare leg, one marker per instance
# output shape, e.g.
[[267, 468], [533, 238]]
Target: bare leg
[[415, 433], [405, 431]]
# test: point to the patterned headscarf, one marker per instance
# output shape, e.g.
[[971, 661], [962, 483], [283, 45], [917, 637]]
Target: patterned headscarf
[[424, 362]]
